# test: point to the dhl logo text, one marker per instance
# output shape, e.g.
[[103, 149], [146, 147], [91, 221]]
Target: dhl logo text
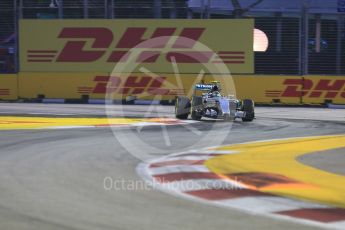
[[323, 88], [87, 45], [132, 85]]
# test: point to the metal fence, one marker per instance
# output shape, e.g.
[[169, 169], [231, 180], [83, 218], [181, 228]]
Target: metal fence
[[8, 41], [314, 45], [299, 43]]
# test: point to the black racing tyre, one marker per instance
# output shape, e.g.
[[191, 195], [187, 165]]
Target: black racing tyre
[[196, 102], [196, 107], [248, 108], [196, 115], [182, 107]]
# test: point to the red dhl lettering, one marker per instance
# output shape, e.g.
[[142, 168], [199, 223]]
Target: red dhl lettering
[[324, 88], [74, 50], [93, 44], [133, 85]]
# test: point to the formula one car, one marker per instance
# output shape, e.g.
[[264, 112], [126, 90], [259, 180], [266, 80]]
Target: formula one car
[[213, 105]]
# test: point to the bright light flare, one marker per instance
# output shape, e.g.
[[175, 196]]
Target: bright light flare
[[260, 41]]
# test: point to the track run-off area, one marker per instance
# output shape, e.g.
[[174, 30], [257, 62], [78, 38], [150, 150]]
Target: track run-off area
[[125, 167]]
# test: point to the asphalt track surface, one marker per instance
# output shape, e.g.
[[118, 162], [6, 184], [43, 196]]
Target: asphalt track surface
[[333, 161], [54, 179]]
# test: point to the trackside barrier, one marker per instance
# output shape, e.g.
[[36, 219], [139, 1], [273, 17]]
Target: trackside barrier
[[8, 87], [118, 86], [97, 85], [60, 85], [266, 89], [322, 89], [309, 89]]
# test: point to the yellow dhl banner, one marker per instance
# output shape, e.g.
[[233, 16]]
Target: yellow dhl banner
[[309, 89], [319, 89], [124, 46], [114, 86], [261, 88], [8, 87]]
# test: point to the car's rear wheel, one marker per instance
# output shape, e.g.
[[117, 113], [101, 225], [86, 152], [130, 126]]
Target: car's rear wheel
[[248, 109], [182, 107]]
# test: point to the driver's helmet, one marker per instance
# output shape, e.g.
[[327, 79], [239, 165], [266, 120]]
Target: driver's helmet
[[216, 86]]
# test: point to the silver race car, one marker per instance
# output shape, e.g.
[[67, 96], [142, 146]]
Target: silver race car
[[212, 104]]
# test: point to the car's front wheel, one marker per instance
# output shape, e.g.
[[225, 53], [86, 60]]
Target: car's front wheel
[[248, 109]]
